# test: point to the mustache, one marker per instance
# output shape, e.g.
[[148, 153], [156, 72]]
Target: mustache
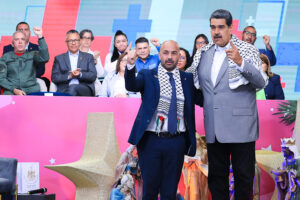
[[170, 60], [217, 36]]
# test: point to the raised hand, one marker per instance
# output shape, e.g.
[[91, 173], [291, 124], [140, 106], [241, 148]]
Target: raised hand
[[131, 57], [128, 48], [155, 42], [38, 31], [234, 54], [266, 39]]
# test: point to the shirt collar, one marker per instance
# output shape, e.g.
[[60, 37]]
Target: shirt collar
[[26, 48], [218, 48], [74, 54]]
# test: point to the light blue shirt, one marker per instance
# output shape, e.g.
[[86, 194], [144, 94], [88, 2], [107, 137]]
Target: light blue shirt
[[73, 61]]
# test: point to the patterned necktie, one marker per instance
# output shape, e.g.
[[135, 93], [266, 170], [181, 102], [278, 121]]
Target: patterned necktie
[[172, 116]]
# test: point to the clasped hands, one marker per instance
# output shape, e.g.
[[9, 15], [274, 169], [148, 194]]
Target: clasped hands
[[75, 73]]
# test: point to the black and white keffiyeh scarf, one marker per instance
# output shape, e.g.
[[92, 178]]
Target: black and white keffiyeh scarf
[[166, 93], [248, 52]]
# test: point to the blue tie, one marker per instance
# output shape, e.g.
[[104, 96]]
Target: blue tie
[[172, 116]]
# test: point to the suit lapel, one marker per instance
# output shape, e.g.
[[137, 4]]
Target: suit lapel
[[67, 61], [222, 70], [210, 57], [80, 58], [156, 83], [183, 83]]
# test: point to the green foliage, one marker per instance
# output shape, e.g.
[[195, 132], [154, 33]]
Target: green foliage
[[287, 112]]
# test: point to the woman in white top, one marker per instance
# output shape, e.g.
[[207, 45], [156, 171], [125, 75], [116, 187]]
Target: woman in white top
[[86, 38], [120, 45], [114, 82]]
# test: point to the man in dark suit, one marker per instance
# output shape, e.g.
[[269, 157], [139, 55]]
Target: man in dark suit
[[74, 72], [164, 129], [40, 68]]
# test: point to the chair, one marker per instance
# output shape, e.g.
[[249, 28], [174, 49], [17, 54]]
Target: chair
[[8, 173], [94, 174]]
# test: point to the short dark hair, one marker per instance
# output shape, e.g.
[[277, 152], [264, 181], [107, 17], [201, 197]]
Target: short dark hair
[[72, 31], [86, 31], [222, 14], [249, 27], [141, 40], [22, 23]]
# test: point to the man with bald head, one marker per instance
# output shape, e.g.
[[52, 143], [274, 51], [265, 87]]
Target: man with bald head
[[164, 129]]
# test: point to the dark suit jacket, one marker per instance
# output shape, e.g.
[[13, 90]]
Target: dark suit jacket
[[62, 66], [40, 67], [147, 83], [274, 90]]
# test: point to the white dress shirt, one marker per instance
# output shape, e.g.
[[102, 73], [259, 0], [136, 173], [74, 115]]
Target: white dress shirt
[[73, 61], [99, 67], [219, 56]]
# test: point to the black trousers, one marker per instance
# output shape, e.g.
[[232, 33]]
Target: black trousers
[[242, 157], [79, 90], [161, 161]]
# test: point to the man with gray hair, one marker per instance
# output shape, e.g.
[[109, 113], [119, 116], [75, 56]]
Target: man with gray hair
[[74, 72], [17, 68]]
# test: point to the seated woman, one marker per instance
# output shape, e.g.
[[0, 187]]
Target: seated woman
[[120, 45], [114, 83], [184, 60], [86, 38], [274, 89]]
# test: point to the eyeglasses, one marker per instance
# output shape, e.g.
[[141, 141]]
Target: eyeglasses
[[87, 38], [249, 33], [182, 58], [203, 42], [72, 41]]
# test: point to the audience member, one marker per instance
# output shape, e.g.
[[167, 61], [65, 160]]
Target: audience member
[[249, 35], [145, 60], [74, 72], [200, 41], [86, 38], [40, 68], [120, 45], [274, 89], [17, 69], [114, 82], [184, 60]]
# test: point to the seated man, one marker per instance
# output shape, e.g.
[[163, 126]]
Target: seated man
[[145, 60], [74, 72], [17, 68], [40, 68], [249, 35]]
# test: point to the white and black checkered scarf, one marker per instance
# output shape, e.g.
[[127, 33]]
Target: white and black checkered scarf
[[166, 92], [248, 52]]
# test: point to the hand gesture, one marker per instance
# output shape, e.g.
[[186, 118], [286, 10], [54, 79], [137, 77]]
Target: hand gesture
[[76, 72], [38, 31], [96, 54], [234, 54], [266, 39], [155, 42], [19, 92], [128, 48], [131, 57]]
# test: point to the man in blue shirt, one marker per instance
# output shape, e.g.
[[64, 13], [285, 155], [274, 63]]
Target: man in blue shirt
[[145, 60], [249, 35]]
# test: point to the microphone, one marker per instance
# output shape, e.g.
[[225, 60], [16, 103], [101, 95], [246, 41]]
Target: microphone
[[41, 190]]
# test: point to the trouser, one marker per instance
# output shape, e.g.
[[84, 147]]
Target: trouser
[[242, 157], [161, 160]]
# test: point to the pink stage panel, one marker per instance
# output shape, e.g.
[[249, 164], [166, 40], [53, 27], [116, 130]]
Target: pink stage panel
[[38, 129]]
